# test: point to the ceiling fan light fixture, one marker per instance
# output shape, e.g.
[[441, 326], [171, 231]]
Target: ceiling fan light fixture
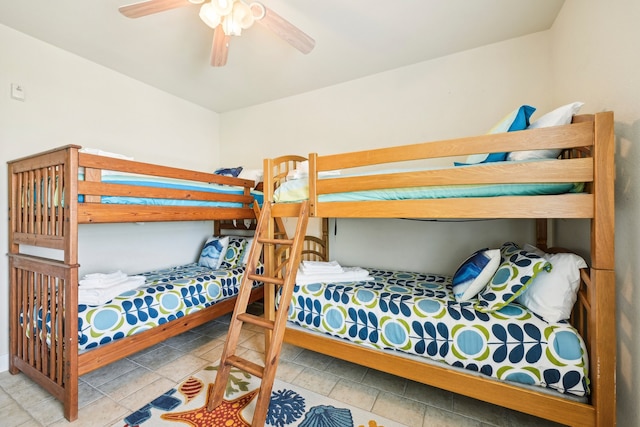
[[209, 15], [242, 14], [230, 26], [222, 7]]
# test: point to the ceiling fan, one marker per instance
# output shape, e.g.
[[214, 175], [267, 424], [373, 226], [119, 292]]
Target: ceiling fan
[[228, 18]]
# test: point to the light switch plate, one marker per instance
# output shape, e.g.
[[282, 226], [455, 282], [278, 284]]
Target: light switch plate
[[17, 92]]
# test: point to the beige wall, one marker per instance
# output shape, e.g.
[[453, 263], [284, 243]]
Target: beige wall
[[72, 101], [595, 56], [458, 95]]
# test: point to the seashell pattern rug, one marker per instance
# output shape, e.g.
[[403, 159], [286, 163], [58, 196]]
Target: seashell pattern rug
[[290, 406]]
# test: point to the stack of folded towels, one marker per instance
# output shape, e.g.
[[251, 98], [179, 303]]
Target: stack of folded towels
[[329, 272], [99, 288]]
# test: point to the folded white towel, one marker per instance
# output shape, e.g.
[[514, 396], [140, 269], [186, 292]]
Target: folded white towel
[[98, 296], [114, 275], [311, 267], [349, 274], [102, 280]]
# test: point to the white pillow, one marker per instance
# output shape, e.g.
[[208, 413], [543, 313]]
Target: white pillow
[[254, 175], [247, 251], [559, 116], [553, 294], [474, 273]]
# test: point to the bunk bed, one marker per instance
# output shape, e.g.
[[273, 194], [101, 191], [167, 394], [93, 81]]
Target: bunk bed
[[50, 195], [585, 163]]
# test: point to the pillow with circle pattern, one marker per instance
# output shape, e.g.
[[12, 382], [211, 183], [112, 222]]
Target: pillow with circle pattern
[[234, 253], [516, 271]]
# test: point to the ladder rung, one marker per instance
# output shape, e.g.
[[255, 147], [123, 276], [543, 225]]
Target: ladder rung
[[256, 320], [287, 242], [247, 366], [267, 279]]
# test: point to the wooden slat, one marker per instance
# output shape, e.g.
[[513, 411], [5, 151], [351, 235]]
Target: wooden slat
[[93, 213], [255, 320], [557, 137], [555, 206], [52, 242], [550, 171], [246, 365], [266, 279], [125, 190], [130, 166]]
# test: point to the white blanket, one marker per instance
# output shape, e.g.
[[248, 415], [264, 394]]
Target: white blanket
[[97, 289], [349, 274], [313, 267], [102, 280]]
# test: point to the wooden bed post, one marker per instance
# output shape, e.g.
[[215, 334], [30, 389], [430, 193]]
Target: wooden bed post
[[70, 226], [603, 294]]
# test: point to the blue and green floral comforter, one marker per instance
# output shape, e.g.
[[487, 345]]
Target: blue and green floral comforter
[[417, 313], [168, 294]]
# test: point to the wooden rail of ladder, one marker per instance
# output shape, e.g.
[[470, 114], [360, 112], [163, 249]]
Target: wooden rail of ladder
[[274, 329]]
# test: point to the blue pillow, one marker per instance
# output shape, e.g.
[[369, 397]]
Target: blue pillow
[[516, 120], [234, 172], [474, 273], [212, 252]]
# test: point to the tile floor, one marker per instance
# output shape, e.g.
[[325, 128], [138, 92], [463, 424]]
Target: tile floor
[[110, 393]]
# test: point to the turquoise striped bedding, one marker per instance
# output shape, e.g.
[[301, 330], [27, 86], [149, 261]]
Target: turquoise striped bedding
[[417, 314], [296, 190], [170, 183]]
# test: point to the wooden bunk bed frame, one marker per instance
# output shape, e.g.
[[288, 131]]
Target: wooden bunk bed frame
[[51, 285], [587, 156]]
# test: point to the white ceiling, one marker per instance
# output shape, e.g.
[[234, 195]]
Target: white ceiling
[[354, 38]]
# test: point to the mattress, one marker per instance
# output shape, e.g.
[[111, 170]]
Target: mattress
[[168, 294], [296, 190], [176, 184], [417, 314]]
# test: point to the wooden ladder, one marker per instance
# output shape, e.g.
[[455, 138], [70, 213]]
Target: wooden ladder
[[274, 329]]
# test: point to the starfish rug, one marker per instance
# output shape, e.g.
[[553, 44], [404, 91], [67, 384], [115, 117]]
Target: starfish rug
[[290, 405]]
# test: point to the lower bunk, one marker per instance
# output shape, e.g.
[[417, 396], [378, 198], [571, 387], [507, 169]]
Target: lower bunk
[[59, 333], [412, 325]]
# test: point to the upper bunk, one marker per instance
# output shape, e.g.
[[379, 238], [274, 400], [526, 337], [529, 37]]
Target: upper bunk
[[54, 191], [577, 184]]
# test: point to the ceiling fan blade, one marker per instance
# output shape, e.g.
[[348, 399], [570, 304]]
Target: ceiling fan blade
[[137, 10], [287, 31], [220, 47]]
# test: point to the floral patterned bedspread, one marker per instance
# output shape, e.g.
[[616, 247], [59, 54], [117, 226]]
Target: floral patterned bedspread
[[417, 313]]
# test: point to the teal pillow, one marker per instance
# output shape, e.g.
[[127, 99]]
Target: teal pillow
[[234, 253], [516, 120], [516, 271]]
